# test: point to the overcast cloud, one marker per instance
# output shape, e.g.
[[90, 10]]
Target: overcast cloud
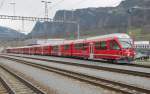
[[36, 8]]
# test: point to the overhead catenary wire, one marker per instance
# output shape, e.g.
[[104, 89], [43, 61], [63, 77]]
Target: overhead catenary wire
[[51, 7], [73, 6], [55, 5], [64, 18]]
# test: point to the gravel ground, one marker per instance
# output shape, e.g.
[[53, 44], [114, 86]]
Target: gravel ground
[[128, 79], [132, 68], [147, 63], [59, 84]]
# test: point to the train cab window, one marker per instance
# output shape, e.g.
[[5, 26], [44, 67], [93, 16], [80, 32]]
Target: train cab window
[[66, 47], [114, 45], [101, 45]]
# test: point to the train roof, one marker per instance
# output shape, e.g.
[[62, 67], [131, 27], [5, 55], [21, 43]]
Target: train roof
[[23, 47], [118, 35], [17, 47], [79, 41], [68, 41]]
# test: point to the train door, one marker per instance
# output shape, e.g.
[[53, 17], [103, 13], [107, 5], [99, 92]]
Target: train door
[[59, 50], [28, 49], [42, 49], [91, 51]]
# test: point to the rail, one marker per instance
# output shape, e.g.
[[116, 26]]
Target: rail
[[16, 84], [124, 71], [112, 85]]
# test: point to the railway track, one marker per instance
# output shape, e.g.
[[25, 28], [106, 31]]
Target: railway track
[[4, 88], [112, 85], [100, 61], [14, 84], [124, 71]]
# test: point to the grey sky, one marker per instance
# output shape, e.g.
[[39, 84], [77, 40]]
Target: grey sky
[[36, 8]]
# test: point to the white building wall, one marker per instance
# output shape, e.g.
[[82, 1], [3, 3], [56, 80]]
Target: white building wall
[[142, 44]]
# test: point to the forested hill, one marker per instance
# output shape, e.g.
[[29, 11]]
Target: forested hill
[[125, 17]]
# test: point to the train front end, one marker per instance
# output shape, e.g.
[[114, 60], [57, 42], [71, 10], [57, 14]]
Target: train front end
[[127, 50]]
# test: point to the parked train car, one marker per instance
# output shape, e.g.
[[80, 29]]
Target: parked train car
[[112, 47], [81, 48], [66, 48], [46, 50]]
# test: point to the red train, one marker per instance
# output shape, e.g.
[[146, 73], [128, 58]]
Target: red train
[[112, 47]]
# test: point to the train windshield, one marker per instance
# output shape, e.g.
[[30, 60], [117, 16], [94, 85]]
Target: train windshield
[[126, 43]]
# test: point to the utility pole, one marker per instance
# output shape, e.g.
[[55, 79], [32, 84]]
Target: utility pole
[[46, 16], [14, 7], [78, 30], [64, 16], [72, 14], [46, 7], [22, 25], [78, 24], [129, 20]]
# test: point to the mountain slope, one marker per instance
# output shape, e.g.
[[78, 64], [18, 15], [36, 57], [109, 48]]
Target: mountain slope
[[9, 34], [97, 21]]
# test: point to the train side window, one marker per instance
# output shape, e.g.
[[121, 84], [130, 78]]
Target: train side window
[[45, 48], [98, 45], [101, 45], [81, 46], [66, 47], [55, 48], [85, 46], [78, 46], [114, 45]]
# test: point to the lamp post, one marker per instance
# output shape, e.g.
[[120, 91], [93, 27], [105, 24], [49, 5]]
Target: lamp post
[[46, 15], [78, 30], [14, 8], [46, 7]]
